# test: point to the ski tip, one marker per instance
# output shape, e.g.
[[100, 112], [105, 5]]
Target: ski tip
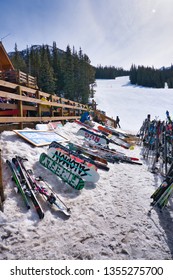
[[41, 216], [66, 212]]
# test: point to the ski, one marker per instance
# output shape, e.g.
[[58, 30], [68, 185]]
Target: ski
[[66, 175], [117, 141], [102, 150], [19, 165], [115, 157], [162, 201], [87, 126], [86, 151], [110, 130], [40, 185], [20, 185], [79, 155]]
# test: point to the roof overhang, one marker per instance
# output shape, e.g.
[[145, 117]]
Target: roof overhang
[[5, 62]]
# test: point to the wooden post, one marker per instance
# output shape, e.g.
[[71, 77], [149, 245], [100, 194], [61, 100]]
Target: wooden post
[[38, 105], [20, 105], [27, 80], [51, 107], [2, 197]]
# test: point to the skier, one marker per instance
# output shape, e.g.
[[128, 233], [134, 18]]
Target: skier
[[118, 122]]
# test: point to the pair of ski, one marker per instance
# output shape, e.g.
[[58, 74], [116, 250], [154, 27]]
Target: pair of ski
[[115, 137], [162, 194], [87, 151], [110, 130], [28, 186], [105, 153]]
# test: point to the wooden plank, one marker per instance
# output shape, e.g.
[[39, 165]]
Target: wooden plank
[[29, 90], [10, 95], [36, 119], [14, 112], [5, 106]]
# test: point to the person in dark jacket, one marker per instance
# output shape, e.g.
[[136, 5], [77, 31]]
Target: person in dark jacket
[[118, 122]]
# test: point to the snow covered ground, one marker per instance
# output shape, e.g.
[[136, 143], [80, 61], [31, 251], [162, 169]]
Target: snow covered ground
[[132, 103], [109, 220]]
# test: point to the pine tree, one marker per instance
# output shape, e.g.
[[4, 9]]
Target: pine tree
[[18, 61], [68, 73], [46, 78], [58, 75], [35, 62]]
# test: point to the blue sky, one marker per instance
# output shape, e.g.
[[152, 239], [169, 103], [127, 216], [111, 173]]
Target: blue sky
[[110, 32]]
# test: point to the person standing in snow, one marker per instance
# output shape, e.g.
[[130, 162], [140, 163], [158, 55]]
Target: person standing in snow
[[118, 122]]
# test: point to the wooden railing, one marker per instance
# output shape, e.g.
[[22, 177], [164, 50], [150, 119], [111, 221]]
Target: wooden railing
[[105, 119], [19, 77], [24, 105]]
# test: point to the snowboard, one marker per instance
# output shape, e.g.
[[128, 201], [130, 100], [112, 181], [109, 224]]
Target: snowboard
[[66, 175], [67, 151], [99, 139], [77, 167]]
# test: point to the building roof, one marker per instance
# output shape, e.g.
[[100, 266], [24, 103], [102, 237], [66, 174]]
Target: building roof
[[5, 62]]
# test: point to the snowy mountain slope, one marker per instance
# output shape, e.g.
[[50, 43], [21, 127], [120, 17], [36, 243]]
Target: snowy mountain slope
[[132, 103]]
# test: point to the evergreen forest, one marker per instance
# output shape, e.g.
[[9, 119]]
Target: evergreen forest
[[151, 77], [110, 72], [67, 74]]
